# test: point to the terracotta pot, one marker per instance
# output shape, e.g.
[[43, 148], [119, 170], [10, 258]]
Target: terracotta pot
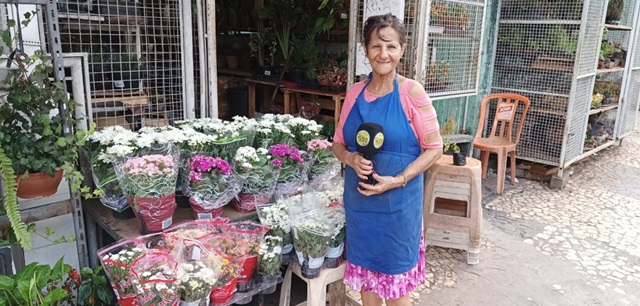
[[324, 82], [38, 185]]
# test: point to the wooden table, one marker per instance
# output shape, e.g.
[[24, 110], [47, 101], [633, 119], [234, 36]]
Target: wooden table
[[98, 216], [335, 97]]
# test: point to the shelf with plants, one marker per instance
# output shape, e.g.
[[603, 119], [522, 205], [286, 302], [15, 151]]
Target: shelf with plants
[[453, 48], [537, 55]]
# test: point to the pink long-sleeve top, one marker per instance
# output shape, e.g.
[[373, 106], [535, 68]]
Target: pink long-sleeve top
[[419, 111]]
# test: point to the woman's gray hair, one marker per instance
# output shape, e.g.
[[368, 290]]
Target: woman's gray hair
[[378, 22]]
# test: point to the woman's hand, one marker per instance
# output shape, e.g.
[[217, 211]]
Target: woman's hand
[[360, 165], [384, 183]]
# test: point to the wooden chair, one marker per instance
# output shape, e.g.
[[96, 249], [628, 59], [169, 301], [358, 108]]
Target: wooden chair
[[501, 140]]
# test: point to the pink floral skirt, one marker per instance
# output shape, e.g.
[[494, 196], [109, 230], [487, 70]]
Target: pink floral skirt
[[387, 286]]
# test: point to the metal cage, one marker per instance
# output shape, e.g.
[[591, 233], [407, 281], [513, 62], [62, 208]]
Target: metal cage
[[549, 51]]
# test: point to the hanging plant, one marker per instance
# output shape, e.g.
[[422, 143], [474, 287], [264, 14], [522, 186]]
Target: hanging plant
[[10, 202]]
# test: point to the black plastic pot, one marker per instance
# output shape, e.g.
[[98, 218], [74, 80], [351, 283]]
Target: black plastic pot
[[123, 215], [459, 159]]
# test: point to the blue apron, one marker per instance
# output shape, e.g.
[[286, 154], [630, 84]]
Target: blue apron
[[383, 231]]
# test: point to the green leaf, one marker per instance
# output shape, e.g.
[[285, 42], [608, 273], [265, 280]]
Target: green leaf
[[72, 239], [7, 283], [59, 269], [105, 295], [55, 295], [61, 142], [84, 292], [86, 271], [3, 301], [24, 288], [11, 23], [6, 38], [49, 231], [31, 228], [42, 274]]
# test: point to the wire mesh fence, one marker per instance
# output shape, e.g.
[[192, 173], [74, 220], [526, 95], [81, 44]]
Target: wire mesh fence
[[453, 47], [135, 55], [538, 56]]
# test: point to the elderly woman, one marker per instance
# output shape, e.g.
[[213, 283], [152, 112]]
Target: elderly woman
[[385, 248]]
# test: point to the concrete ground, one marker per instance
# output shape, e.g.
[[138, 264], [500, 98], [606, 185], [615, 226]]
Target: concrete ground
[[576, 246]]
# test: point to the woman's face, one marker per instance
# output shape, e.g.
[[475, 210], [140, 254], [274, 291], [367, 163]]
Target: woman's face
[[384, 50]]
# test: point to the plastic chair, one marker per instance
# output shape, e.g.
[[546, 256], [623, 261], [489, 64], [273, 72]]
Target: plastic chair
[[501, 140]]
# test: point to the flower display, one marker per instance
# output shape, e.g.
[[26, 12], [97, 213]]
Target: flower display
[[195, 280], [156, 283], [311, 235], [276, 216], [104, 147], [270, 255], [117, 267], [149, 181], [324, 166], [259, 176], [211, 184]]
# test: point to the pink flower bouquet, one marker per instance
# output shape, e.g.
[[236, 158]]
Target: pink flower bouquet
[[150, 183], [324, 166], [293, 168]]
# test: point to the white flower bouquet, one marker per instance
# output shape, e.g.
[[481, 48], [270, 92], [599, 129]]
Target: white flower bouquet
[[334, 212], [303, 130], [248, 234], [117, 261], [156, 282], [276, 217], [270, 256], [104, 147], [269, 262], [198, 270], [311, 236], [259, 174], [272, 129]]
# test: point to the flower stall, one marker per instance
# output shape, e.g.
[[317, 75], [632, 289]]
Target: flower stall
[[276, 170]]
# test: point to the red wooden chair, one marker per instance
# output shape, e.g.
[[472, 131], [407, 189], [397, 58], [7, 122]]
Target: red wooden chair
[[501, 140]]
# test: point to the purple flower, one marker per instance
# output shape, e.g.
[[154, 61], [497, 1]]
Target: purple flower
[[280, 150], [200, 164], [277, 162]]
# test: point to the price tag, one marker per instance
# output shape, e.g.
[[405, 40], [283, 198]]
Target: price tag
[[267, 72], [205, 216], [196, 253], [167, 222]]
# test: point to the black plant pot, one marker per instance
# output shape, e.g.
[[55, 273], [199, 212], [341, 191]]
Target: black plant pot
[[123, 215], [459, 159], [297, 76], [182, 201]]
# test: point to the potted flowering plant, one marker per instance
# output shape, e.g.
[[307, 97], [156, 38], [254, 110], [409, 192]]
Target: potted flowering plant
[[303, 130], [225, 286], [149, 181], [335, 213], [105, 146], [269, 262], [156, 282], [276, 217], [437, 76], [197, 271], [293, 173], [311, 236], [211, 185], [272, 129], [117, 261], [259, 174], [248, 235], [325, 165]]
